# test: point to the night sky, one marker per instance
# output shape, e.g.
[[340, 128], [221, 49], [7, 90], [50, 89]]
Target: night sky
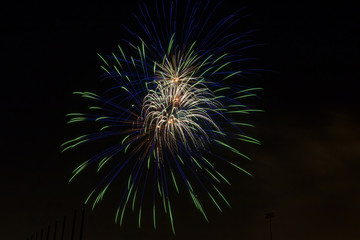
[[306, 171]]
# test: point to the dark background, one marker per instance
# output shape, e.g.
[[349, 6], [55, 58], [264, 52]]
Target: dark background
[[306, 171]]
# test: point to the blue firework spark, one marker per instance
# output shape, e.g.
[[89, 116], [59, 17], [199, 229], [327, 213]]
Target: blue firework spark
[[172, 107]]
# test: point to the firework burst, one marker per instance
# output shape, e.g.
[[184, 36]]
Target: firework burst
[[173, 106]]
